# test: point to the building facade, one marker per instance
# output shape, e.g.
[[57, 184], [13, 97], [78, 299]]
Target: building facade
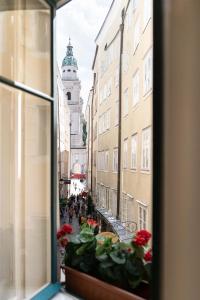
[[63, 137], [123, 93], [71, 89]]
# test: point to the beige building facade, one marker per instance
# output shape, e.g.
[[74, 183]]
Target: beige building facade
[[123, 83]]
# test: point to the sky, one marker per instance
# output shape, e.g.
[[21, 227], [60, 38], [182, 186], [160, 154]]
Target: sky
[[81, 20]]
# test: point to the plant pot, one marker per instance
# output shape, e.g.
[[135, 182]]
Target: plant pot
[[91, 288]]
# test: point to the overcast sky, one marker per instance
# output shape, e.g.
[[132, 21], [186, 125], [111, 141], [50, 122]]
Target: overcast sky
[[81, 20]]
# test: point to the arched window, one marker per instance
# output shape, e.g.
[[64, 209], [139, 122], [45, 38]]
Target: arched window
[[68, 96]]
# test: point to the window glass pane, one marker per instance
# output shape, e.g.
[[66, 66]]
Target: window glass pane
[[24, 193], [25, 43]]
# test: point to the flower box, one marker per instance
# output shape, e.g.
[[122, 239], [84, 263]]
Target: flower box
[[91, 288]]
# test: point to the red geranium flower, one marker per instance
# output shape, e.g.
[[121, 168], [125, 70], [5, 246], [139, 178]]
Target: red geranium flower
[[92, 223], [59, 234], [66, 228], [148, 255], [142, 237]]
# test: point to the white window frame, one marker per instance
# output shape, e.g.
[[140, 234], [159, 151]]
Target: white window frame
[[148, 72], [136, 88], [115, 159], [146, 149], [106, 155], [142, 221], [134, 146]]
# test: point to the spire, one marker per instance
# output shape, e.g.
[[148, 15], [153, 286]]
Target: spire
[[69, 59], [69, 49]]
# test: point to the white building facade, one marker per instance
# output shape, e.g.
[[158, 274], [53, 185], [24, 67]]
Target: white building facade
[[72, 88]]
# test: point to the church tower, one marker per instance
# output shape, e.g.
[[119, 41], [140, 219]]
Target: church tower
[[72, 88]]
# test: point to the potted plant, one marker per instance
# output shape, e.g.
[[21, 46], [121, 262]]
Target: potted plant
[[109, 269]]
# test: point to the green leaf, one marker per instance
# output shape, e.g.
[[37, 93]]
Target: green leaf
[[102, 257], [139, 251], [118, 258], [76, 240], [81, 250]]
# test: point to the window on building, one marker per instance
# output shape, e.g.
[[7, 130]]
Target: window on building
[[106, 160], [125, 154], [147, 11], [146, 149], [115, 160], [136, 38], [142, 217], [125, 103], [69, 70], [136, 88], [69, 96], [134, 140], [147, 70], [124, 213]]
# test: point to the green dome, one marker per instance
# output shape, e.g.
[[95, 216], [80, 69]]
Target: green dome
[[69, 59]]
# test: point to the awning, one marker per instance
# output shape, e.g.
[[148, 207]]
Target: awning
[[123, 233]]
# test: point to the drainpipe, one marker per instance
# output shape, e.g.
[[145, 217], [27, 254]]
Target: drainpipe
[[120, 114]]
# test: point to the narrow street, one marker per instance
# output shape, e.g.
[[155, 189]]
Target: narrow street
[[64, 295]]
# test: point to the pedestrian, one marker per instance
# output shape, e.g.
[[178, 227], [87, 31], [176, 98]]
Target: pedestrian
[[71, 213]]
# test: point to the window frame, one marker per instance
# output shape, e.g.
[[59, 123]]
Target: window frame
[[144, 168], [53, 287], [135, 135]]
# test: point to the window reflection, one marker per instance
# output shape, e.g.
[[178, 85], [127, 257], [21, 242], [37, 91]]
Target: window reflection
[[25, 43], [24, 193]]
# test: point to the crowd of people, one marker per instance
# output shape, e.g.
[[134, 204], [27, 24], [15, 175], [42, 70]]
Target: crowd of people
[[78, 206]]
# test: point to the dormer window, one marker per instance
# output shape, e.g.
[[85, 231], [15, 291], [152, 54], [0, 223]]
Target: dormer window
[[68, 96]]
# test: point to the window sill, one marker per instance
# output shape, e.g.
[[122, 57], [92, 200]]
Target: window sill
[[147, 172]]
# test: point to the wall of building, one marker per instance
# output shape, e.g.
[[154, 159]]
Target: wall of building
[[136, 116]]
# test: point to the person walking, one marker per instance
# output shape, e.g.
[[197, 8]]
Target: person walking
[[71, 213]]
